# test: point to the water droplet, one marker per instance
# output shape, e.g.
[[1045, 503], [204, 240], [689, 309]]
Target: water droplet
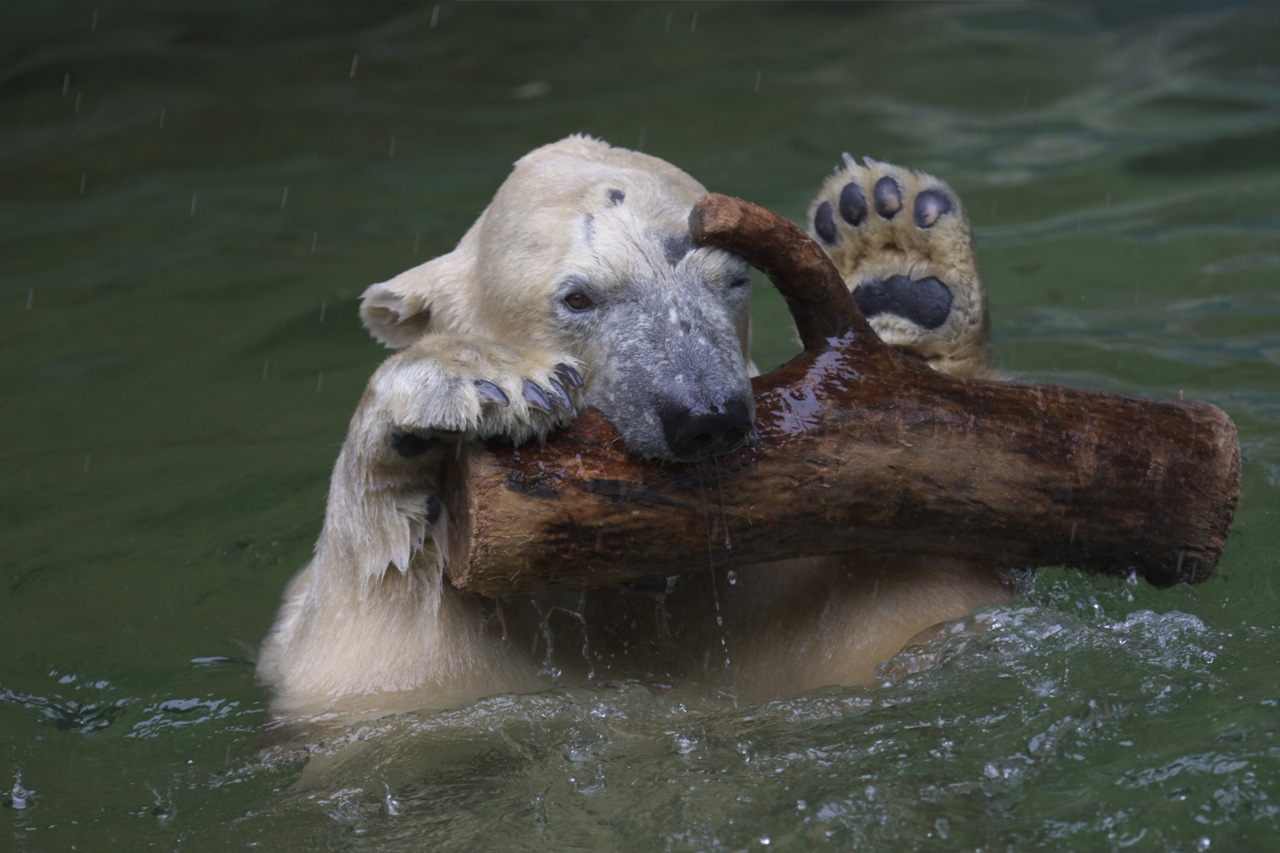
[[732, 576], [390, 805]]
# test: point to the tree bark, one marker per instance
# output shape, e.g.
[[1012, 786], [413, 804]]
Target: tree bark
[[857, 451]]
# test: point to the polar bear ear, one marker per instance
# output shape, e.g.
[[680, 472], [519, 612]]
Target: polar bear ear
[[427, 298], [393, 315]]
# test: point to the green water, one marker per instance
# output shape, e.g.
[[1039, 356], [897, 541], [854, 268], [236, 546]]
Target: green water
[[192, 198]]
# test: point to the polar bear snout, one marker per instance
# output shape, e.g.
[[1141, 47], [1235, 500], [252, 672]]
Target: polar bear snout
[[698, 435]]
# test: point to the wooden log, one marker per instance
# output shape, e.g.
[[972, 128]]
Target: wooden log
[[860, 452]]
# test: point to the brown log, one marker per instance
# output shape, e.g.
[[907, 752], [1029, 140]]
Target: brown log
[[860, 452]]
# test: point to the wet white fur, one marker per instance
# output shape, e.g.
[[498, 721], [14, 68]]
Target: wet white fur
[[371, 626]]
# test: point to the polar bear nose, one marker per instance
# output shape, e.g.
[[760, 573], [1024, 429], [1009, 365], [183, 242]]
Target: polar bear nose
[[697, 436]]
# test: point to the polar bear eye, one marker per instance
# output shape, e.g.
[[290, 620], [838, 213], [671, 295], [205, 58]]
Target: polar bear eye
[[578, 301], [739, 281]]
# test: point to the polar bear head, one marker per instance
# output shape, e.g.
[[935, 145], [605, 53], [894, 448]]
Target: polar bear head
[[585, 254]]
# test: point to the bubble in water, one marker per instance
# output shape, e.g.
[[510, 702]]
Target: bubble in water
[[732, 576]]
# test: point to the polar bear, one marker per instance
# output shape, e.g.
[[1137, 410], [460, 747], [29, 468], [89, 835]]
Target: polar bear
[[580, 286]]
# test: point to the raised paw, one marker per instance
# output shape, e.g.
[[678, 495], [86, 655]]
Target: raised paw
[[903, 244]]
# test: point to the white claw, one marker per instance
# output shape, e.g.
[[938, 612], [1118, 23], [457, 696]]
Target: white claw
[[849, 161], [871, 164]]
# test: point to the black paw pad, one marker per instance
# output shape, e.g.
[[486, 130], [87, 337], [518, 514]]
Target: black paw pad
[[408, 444], [536, 397], [888, 196], [926, 302], [490, 393], [930, 206], [824, 223], [853, 205], [569, 376]]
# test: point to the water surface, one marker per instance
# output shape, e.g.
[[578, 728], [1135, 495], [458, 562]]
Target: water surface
[[191, 201]]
